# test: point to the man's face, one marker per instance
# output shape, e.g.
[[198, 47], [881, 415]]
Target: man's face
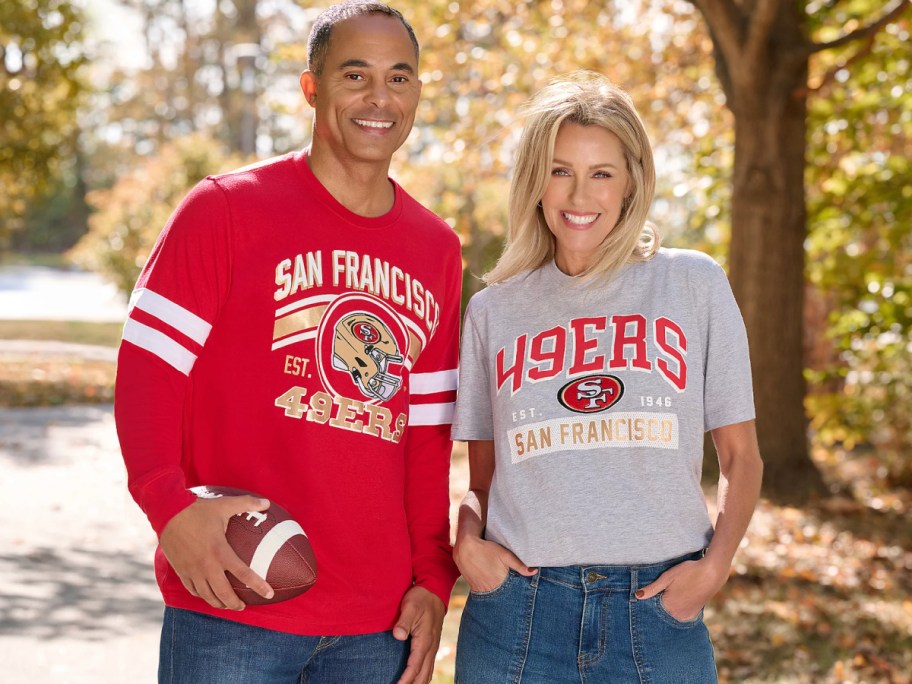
[[366, 97]]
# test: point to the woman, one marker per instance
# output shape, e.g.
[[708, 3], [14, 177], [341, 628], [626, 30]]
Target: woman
[[591, 368]]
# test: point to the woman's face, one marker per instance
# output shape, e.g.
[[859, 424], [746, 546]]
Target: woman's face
[[582, 202]]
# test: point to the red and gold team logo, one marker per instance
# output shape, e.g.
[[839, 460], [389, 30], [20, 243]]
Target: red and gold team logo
[[366, 331], [362, 345], [591, 394]]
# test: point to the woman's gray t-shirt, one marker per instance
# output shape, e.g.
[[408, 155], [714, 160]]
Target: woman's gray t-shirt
[[597, 398]]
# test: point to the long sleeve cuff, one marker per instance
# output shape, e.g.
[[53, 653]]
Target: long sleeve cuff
[[162, 497], [438, 576]]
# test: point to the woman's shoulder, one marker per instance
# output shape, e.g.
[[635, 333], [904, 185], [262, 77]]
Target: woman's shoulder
[[695, 271], [504, 293], [686, 259]]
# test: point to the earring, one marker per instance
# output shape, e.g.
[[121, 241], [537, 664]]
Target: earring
[[539, 205]]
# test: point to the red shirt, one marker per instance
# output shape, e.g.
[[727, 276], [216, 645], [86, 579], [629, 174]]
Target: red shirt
[[279, 343]]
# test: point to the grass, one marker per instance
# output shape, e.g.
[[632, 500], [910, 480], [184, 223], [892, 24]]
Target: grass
[[50, 259], [76, 332]]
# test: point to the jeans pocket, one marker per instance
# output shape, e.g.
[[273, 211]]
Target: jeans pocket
[[671, 619], [496, 590]]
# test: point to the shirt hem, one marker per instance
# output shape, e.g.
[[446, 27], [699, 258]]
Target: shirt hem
[[257, 617]]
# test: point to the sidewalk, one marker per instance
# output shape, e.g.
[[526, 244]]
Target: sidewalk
[[78, 601]]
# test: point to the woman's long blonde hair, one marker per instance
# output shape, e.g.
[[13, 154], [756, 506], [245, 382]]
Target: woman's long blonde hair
[[588, 99]]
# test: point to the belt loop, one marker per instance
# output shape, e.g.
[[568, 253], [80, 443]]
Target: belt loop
[[634, 581]]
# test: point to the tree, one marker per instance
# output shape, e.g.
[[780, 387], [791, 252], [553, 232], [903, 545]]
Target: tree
[[41, 90], [762, 51], [130, 215]]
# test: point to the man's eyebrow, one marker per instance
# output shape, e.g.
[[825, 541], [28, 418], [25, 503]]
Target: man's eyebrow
[[362, 64], [353, 63]]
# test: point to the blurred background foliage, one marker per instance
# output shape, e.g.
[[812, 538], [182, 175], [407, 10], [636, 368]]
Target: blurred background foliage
[[42, 88], [98, 149]]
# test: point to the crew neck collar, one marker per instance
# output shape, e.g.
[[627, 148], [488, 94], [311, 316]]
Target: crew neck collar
[[321, 194]]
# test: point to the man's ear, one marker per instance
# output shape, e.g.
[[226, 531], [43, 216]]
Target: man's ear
[[309, 87]]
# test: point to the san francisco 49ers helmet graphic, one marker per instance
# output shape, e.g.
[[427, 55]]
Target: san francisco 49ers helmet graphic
[[364, 347]]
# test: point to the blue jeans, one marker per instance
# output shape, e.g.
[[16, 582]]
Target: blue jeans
[[580, 624], [202, 649]]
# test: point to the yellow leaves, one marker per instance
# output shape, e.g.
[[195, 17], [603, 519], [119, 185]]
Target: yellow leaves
[[777, 640]]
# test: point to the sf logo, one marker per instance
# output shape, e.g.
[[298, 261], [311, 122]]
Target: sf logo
[[366, 333], [591, 394]]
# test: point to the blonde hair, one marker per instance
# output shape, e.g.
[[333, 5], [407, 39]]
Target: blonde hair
[[588, 99]]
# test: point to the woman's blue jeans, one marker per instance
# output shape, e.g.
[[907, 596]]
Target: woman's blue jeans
[[202, 649], [581, 624]]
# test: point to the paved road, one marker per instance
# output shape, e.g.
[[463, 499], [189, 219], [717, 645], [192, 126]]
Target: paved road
[[78, 601], [44, 293]]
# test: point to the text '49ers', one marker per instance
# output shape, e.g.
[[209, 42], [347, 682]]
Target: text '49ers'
[[626, 347]]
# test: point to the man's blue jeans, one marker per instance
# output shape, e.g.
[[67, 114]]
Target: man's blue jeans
[[580, 624], [202, 649]]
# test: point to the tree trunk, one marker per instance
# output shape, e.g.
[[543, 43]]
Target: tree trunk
[[767, 251]]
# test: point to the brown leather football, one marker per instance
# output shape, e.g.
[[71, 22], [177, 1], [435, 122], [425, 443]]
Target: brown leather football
[[272, 543]]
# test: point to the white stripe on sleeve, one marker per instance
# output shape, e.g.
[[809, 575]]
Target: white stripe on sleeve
[[431, 414], [429, 383], [159, 344], [173, 314]]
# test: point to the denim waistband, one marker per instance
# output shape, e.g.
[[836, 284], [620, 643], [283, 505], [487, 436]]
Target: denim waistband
[[613, 577]]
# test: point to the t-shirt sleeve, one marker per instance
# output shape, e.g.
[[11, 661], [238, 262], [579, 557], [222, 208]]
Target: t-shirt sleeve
[[728, 395], [474, 418], [432, 390], [176, 301]]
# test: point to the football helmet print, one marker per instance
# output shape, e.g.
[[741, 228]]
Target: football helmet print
[[364, 347]]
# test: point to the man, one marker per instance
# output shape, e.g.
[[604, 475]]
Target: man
[[294, 334]]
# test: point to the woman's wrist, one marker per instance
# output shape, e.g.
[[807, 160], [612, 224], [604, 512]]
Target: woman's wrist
[[719, 568]]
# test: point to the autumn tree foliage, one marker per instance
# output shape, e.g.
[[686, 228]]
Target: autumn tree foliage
[[122, 229], [41, 87]]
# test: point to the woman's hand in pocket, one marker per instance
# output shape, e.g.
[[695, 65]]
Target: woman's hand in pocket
[[486, 564], [686, 588]]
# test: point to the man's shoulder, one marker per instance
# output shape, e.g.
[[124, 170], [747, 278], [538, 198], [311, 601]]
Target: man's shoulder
[[262, 173]]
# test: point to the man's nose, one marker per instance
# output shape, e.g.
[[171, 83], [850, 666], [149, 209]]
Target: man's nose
[[378, 93]]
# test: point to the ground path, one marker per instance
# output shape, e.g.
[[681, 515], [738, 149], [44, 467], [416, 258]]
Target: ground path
[[78, 601]]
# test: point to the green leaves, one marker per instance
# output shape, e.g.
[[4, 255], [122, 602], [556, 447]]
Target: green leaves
[[860, 244], [41, 90]]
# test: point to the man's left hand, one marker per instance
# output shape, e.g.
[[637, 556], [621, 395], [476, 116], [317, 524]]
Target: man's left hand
[[420, 617]]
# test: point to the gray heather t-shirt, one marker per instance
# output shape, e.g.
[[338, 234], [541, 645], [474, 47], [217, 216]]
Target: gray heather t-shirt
[[597, 399]]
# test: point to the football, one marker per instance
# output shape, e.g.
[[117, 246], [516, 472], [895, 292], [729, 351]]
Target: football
[[272, 544]]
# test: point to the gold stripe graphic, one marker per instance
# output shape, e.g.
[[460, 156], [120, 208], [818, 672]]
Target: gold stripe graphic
[[298, 321]]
